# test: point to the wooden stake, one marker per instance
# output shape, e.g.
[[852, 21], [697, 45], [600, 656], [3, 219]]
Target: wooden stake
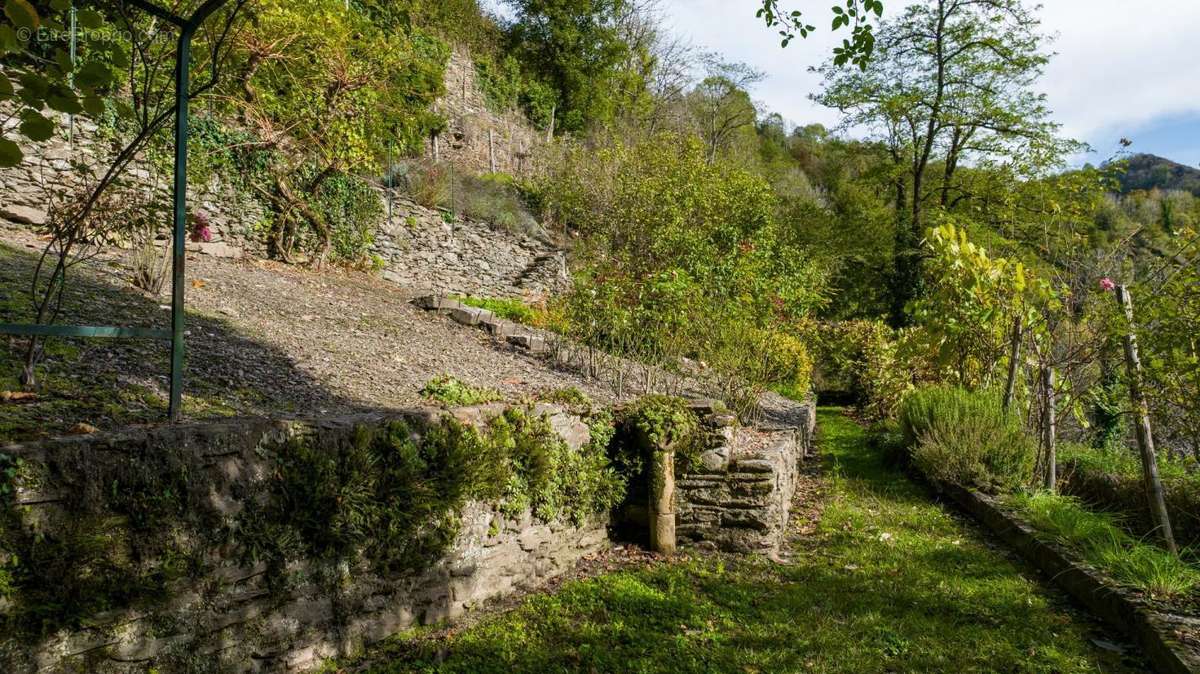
[[492, 150], [1151, 481], [1049, 428]]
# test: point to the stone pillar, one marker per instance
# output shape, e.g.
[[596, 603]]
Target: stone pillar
[[662, 501]]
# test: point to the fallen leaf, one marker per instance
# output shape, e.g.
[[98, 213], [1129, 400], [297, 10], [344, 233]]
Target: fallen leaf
[[198, 283], [11, 396], [83, 428]]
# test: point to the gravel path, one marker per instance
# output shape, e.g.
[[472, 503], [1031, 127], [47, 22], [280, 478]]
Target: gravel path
[[264, 338]]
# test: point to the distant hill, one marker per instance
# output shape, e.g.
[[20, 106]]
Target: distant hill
[[1147, 171]]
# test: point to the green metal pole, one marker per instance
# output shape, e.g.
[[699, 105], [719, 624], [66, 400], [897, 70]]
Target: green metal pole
[[182, 63]]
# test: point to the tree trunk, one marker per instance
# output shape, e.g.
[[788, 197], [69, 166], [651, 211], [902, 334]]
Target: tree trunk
[[1151, 481], [1014, 358]]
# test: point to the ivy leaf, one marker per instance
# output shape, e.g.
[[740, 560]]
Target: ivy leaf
[[93, 105], [6, 87], [35, 126], [10, 153], [118, 56], [60, 5], [22, 14], [90, 19], [9, 42]]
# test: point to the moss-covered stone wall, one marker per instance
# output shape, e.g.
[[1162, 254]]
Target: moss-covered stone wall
[[260, 545]]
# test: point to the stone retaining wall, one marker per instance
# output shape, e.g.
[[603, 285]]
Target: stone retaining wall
[[427, 251], [738, 497], [231, 618]]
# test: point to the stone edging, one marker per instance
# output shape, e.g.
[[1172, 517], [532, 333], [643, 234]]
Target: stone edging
[[1148, 627], [502, 330]]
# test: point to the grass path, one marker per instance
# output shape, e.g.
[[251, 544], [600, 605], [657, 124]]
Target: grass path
[[888, 582]]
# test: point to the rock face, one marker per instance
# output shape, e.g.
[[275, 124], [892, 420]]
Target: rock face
[[228, 615], [738, 497]]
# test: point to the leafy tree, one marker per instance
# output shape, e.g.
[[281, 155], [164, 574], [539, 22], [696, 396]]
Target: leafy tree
[[720, 104], [576, 47], [683, 257], [951, 80], [330, 91]]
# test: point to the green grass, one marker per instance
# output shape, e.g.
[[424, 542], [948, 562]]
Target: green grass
[[1124, 462], [507, 308], [890, 582], [1099, 540]]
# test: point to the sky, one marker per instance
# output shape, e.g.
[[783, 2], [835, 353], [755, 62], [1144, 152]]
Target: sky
[[1124, 68]]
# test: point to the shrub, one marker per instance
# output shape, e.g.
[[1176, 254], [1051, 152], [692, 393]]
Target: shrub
[[455, 392], [871, 363], [966, 438], [570, 397], [392, 495]]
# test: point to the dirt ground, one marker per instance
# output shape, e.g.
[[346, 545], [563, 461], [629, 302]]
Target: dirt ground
[[263, 339]]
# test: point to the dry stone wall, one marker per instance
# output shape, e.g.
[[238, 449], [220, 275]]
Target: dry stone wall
[[231, 617], [430, 250], [477, 137], [420, 248], [51, 166], [738, 496]]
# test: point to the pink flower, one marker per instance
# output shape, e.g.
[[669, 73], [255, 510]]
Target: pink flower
[[1107, 285], [200, 228]]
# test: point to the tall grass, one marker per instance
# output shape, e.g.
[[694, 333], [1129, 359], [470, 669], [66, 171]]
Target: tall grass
[[1100, 540]]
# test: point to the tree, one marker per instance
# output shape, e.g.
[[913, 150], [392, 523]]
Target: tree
[[327, 91], [576, 47], [950, 81], [720, 104]]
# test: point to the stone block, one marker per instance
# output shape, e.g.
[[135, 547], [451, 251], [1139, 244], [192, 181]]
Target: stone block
[[530, 342], [25, 215], [498, 328], [468, 315], [715, 460], [753, 466]]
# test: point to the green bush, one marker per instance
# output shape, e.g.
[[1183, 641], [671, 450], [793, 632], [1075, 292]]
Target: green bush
[[392, 495], [966, 438], [456, 393]]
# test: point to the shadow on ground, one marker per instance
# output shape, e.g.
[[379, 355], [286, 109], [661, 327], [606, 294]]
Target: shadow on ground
[[109, 383]]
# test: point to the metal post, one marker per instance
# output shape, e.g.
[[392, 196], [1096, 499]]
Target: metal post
[[71, 79], [182, 62]]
